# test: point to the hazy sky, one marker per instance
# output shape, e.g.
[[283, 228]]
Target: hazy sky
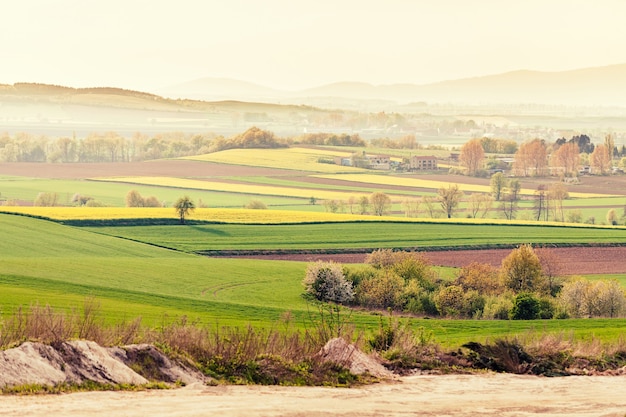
[[292, 44]]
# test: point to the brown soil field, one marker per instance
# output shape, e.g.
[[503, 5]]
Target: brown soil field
[[610, 184], [442, 395], [573, 261]]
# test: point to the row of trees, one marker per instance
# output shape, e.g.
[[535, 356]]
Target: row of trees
[[111, 147], [537, 158], [528, 285], [379, 204]]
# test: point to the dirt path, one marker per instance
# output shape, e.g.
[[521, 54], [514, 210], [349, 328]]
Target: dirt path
[[450, 395]]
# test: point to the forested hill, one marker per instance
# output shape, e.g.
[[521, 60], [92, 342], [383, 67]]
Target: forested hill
[[119, 97]]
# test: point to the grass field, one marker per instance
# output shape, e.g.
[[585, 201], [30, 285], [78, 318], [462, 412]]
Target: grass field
[[48, 263], [114, 193]]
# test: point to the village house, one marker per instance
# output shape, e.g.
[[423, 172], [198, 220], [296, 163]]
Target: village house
[[422, 163], [382, 162]]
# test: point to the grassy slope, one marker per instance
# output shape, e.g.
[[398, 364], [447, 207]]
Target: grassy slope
[[48, 263], [355, 235], [50, 260]]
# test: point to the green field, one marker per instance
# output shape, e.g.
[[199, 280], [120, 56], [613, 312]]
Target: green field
[[48, 263], [371, 235], [113, 194]]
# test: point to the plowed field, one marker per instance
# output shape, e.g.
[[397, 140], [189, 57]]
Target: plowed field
[[574, 261]]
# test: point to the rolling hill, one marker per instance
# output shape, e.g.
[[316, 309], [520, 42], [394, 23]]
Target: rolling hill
[[587, 86]]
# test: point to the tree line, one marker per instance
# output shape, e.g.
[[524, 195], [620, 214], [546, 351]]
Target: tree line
[[111, 147], [537, 158]]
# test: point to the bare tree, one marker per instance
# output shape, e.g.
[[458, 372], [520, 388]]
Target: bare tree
[[381, 203], [480, 204], [449, 198], [429, 205], [184, 206]]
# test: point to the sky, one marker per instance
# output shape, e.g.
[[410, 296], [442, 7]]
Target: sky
[[296, 44]]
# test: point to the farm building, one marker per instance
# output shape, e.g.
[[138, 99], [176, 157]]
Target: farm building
[[422, 163], [379, 162]]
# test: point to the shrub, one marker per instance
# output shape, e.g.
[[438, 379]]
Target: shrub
[[412, 266], [134, 199], [525, 307], [326, 282], [521, 270], [497, 308], [449, 300], [81, 200], [574, 216], [46, 200], [416, 300], [382, 290], [256, 205], [481, 277], [547, 308], [94, 203], [152, 201]]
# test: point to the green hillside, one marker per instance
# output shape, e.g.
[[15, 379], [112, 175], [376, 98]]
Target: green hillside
[[57, 264]]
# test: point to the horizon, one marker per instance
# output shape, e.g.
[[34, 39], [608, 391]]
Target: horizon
[[147, 46]]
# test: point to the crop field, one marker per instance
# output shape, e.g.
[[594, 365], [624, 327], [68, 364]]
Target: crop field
[[212, 215], [356, 235], [299, 159], [265, 190]]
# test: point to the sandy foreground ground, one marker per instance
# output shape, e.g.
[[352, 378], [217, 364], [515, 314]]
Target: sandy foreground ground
[[450, 395]]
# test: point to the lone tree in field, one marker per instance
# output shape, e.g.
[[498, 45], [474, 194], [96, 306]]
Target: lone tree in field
[[497, 183], [380, 203], [184, 206], [449, 198]]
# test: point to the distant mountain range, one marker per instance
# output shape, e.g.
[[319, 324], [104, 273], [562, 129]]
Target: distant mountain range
[[587, 86]]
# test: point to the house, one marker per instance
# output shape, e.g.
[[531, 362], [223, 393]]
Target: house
[[380, 162], [422, 163]]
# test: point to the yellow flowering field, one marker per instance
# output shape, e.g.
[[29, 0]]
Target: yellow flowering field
[[258, 189], [207, 214], [250, 216], [301, 159], [424, 183]]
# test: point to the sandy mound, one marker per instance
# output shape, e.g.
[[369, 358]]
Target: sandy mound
[[155, 365], [341, 352], [80, 361]]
